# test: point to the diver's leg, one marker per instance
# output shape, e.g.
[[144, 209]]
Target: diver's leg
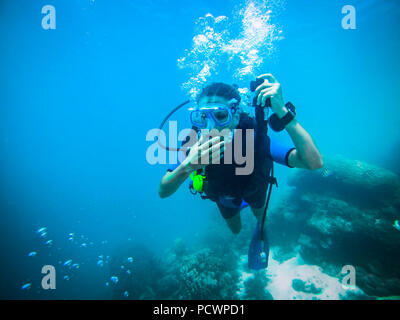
[[257, 202], [234, 223], [232, 217], [258, 212]]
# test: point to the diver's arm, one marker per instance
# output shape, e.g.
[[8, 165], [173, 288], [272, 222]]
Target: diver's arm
[[306, 154], [212, 148], [173, 180]]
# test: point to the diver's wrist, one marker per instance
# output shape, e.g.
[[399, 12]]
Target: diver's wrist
[[281, 112], [186, 167]]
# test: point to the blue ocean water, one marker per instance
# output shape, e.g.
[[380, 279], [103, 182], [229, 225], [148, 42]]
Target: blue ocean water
[[77, 102]]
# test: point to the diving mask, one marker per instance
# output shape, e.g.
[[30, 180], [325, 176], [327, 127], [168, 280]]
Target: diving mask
[[220, 113]]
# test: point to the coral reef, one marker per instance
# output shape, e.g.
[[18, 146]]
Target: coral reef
[[340, 215], [204, 274], [346, 214]]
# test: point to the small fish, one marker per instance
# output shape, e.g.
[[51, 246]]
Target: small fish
[[75, 266], [32, 254], [396, 225], [128, 271], [114, 279], [26, 286], [126, 294], [100, 263], [122, 267], [43, 235], [66, 278], [49, 242], [84, 245], [107, 284], [130, 259], [67, 263], [41, 230]]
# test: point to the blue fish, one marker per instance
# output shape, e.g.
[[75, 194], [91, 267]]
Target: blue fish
[[114, 279], [32, 254], [26, 286], [41, 230], [68, 262]]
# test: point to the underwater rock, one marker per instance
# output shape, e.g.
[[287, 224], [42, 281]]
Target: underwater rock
[[254, 287], [179, 247], [343, 215], [199, 275], [350, 180], [294, 279], [300, 285]]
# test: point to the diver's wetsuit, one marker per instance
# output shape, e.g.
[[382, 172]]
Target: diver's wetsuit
[[230, 205]]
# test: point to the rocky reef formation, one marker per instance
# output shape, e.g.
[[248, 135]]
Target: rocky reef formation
[[206, 273], [203, 274], [344, 214]]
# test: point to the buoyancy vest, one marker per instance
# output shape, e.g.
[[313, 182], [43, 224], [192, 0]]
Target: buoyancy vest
[[222, 179]]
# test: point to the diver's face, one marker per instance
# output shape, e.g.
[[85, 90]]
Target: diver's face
[[215, 99], [210, 122]]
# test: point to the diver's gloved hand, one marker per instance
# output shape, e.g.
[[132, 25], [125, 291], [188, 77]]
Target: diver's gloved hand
[[202, 150], [271, 89]]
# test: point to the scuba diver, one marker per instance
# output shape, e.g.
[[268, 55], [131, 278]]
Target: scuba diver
[[218, 108]]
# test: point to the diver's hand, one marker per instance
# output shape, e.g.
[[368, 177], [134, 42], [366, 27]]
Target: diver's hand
[[204, 149], [272, 89]]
